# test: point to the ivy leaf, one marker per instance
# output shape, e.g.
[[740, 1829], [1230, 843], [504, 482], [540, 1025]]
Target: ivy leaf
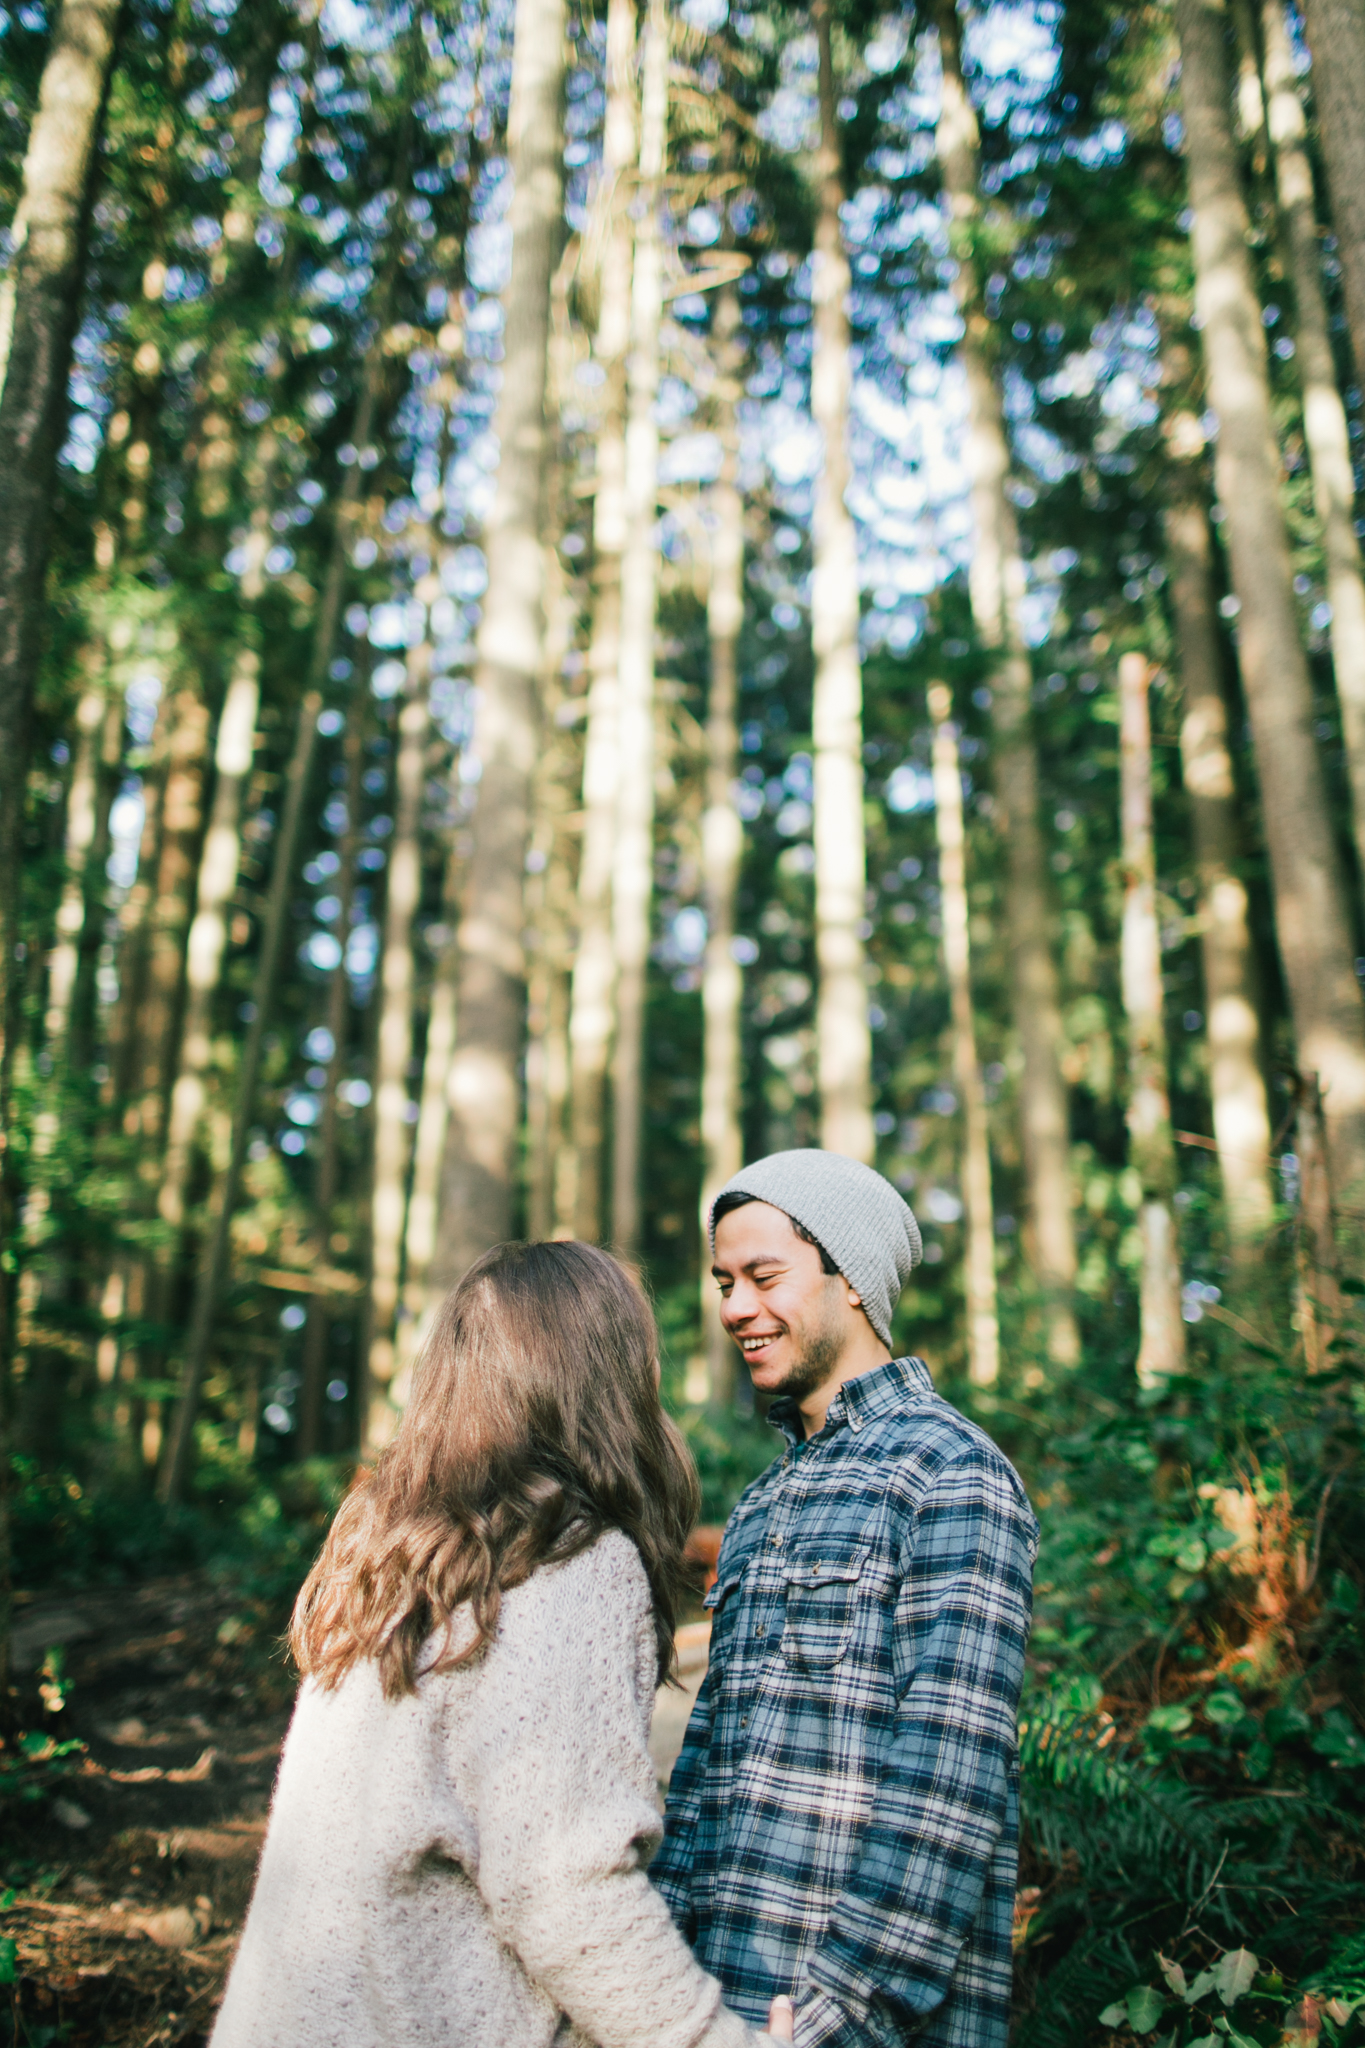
[[1234, 1974], [1201, 1986], [1206, 2041], [1174, 1975], [1145, 2008], [1113, 2015]]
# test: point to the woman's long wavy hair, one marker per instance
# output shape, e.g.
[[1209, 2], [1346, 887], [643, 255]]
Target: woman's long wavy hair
[[534, 1425]]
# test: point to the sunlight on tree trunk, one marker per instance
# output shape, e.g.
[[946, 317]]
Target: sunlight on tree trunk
[[1241, 1117], [550, 905], [1312, 918], [213, 1259], [843, 1039], [1324, 415], [632, 882], [997, 583], [1336, 38], [593, 995], [392, 1131], [483, 1087], [983, 1325], [218, 865], [722, 848], [1151, 1148]]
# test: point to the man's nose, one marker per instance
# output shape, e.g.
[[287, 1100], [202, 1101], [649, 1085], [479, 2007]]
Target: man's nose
[[738, 1306]]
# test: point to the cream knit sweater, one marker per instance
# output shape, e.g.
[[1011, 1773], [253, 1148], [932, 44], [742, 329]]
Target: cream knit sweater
[[465, 1867]]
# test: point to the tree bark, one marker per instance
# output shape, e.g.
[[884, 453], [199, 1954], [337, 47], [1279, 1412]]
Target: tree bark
[[82, 830], [632, 882], [479, 1170], [39, 309], [592, 998], [843, 1037], [213, 1262], [1312, 918], [997, 586], [1320, 1304], [983, 1323], [392, 1132], [1151, 1148], [1241, 1117], [1324, 416], [722, 849], [1336, 40]]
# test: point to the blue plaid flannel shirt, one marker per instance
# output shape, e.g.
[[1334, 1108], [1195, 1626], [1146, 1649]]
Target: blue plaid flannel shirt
[[842, 1823]]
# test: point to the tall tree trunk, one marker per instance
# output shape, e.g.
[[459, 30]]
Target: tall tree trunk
[[213, 1263], [592, 1000], [997, 586], [1151, 1148], [843, 1037], [392, 1131], [1336, 39], [219, 861], [983, 1323], [313, 1366], [722, 848], [1324, 416], [82, 829], [419, 1247], [479, 1170], [157, 1014], [632, 883], [1241, 1117], [1320, 1304], [1312, 918], [39, 308], [550, 906]]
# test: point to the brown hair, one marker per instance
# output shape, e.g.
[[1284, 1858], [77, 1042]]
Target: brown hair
[[534, 1425]]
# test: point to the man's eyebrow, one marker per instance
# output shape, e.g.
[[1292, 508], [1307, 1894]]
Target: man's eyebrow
[[749, 1265]]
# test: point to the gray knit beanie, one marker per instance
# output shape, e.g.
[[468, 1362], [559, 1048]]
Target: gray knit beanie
[[864, 1225]]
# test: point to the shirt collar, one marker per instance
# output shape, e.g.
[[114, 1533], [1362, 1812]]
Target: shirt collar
[[867, 1398]]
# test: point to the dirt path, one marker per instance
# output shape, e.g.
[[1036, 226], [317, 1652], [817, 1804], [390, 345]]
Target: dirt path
[[130, 1885]]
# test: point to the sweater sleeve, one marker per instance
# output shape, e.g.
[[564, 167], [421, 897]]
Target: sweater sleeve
[[565, 1822]]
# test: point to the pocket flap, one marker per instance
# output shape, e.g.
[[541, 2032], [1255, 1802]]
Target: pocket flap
[[829, 1567], [723, 1588]]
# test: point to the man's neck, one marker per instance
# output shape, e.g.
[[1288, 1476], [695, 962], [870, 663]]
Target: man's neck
[[863, 1355]]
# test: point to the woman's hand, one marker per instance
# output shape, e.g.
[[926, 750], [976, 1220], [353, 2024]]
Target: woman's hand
[[781, 2019]]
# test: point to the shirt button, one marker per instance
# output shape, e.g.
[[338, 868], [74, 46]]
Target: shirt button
[[744, 1720], [777, 1542], [760, 1630]]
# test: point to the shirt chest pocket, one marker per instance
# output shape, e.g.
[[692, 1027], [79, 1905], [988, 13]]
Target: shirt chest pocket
[[821, 1598]]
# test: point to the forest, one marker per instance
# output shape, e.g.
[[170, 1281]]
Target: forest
[[590, 591]]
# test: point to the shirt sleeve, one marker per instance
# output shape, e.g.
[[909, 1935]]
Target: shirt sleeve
[[566, 1822], [671, 1870], [963, 1611]]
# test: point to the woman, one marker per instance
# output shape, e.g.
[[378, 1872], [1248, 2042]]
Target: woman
[[464, 1811]]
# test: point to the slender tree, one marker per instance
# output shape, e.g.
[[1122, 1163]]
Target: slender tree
[[392, 1131], [983, 1323], [479, 1169], [997, 585], [1312, 919], [843, 1037], [722, 842], [1151, 1147], [1324, 415], [1336, 39], [592, 1002], [1241, 1117]]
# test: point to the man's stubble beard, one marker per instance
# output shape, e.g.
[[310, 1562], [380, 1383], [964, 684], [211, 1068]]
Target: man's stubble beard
[[818, 1355]]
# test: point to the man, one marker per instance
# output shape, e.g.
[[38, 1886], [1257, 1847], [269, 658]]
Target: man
[[842, 1823]]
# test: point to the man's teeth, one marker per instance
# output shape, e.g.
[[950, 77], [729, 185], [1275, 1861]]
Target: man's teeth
[[754, 1343]]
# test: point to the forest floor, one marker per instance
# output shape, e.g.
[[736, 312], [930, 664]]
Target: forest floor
[[127, 1889]]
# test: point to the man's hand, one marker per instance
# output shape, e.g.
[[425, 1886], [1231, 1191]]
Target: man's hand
[[781, 2019]]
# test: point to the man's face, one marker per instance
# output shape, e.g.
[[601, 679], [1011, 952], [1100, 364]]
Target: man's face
[[790, 1319]]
